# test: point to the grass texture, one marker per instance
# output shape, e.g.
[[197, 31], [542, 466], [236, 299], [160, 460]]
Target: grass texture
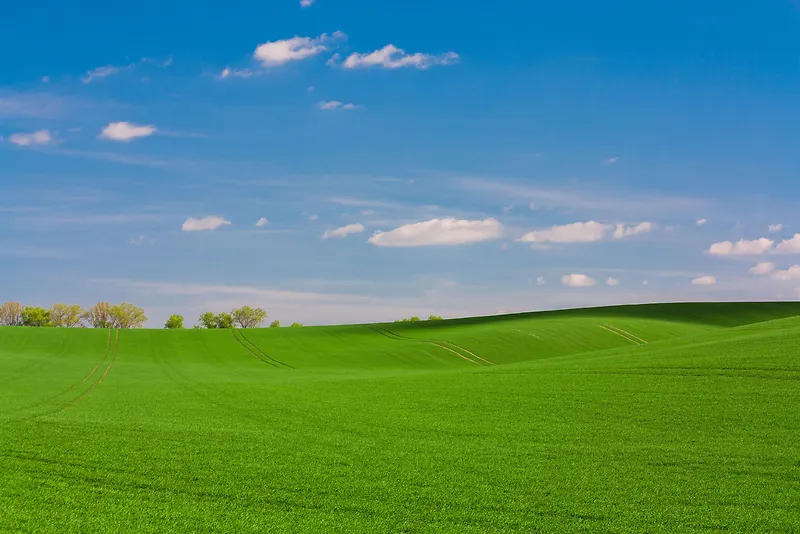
[[652, 418]]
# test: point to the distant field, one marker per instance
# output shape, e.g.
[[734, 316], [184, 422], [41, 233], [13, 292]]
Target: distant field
[[651, 418]]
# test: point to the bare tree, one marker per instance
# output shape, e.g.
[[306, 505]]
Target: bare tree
[[11, 314], [66, 315]]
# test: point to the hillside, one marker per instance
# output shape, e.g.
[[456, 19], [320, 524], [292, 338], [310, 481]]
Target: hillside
[[672, 417]]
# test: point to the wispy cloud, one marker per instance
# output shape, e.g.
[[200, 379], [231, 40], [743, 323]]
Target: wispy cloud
[[704, 281], [392, 57], [101, 72], [611, 161], [344, 231], [41, 137], [208, 223], [335, 104], [579, 232], [228, 72], [126, 131]]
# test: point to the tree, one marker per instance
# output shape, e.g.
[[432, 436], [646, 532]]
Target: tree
[[224, 320], [296, 325], [11, 314], [208, 320], [126, 316], [98, 315], [35, 316], [66, 315], [247, 317], [275, 324], [435, 318], [174, 322]]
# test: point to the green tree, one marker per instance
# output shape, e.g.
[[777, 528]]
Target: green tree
[[435, 318], [98, 315], [208, 320], [35, 316], [296, 325], [247, 317], [11, 314], [275, 324], [174, 322], [223, 320], [126, 315], [66, 315]]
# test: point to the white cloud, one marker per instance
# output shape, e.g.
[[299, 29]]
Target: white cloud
[[228, 72], [297, 48], [138, 240], [791, 273], [211, 222], [261, 222], [306, 3], [579, 232], [532, 206], [540, 281], [611, 161], [789, 246], [645, 282], [447, 231], [577, 280], [704, 281], [335, 104], [41, 137], [344, 231], [623, 231], [45, 79], [764, 267], [775, 227], [742, 247], [701, 222], [391, 57], [313, 217], [612, 281], [126, 131], [99, 73]]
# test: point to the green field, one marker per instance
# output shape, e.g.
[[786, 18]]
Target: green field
[[652, 418]]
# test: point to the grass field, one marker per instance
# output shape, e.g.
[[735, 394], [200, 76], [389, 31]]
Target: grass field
[[652, 418]]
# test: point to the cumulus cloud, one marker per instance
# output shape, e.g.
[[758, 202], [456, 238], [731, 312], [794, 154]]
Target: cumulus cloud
[[41, 137], [792, 273], [261, 222], [742, 247], [447, 231], [211, 222], [789, 246], [612, 281], [391, 57], [764, 267], [274, 53], [579, 232], [344, 231], [126, 131], [775, 227], [704, 281], [701, 222], [335, 104], [540, 281], [623, 231], [577, 280]]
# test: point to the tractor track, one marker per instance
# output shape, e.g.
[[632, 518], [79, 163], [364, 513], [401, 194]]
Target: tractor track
[[436, 342], [240, 342], [100, 381], [262, 352]]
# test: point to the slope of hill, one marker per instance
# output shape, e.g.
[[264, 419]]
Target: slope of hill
[[680, 417]]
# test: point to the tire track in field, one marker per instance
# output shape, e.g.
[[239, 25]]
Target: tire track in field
[[623, 336], [100, 381], [240, 342], [262, 352], [627, 333], [435, 342]]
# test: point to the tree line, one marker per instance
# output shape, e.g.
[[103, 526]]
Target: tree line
[[416, 319], [101, 315]]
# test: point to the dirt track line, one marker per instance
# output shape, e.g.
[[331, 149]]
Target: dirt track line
[[262, 352], [233, 331], [108, 346], [468, 352], [626, 332], [116, 349], [623, 336], [454, 352]]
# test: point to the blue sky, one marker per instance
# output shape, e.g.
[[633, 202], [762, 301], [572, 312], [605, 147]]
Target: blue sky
[[407, 158]]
